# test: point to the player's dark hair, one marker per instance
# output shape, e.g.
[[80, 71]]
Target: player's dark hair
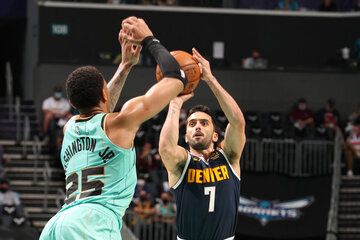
[[204, 109], [84, 86]]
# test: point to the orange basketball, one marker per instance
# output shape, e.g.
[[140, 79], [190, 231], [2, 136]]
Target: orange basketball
[[190, 67]]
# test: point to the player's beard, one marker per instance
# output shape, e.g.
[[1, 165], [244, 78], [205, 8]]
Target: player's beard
[[200, 144]]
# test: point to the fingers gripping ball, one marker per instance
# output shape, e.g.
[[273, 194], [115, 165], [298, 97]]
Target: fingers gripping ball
[[190, 67]]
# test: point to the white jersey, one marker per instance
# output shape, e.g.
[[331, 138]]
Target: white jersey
[[355, 142], [60, 106]]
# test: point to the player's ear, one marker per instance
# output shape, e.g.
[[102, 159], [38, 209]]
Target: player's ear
[[104, 96], [215, 137], [186, 139], [71, 104]]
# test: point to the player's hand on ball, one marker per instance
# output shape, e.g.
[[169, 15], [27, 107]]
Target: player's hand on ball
[[129, 54], [204, 64], [183, 98], [135, 30]]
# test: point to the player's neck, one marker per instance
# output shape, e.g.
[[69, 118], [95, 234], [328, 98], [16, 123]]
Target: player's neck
[[202, 153], [92, 111]]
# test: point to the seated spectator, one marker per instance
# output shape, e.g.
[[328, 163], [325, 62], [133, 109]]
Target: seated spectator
[[140, 186], [56, 113], [148, 159], [290, 5], [328, 6], [144, 211], [143, 208], [354, 119], [11, 210], [3, 161], [165, 209], [352, 149], [255, 61], [301, 117], [165, 2], [328, 116], [55, 107]]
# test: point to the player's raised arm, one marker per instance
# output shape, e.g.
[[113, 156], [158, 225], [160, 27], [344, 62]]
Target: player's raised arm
[[129, 58], [234, 139], [173, 156], [140, 109]]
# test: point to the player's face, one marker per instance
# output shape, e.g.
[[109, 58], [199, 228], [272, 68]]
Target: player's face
[[200, 132]]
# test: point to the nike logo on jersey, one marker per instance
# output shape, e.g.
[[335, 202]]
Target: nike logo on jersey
[[215, 174]]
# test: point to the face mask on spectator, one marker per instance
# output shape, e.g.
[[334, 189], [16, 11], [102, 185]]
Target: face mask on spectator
[[140, 182], [3, 190], [57, 95], [143, 198], [302, 106], [165, 201]]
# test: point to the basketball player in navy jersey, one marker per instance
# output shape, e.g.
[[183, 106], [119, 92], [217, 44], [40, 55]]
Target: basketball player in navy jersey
[[206, 181]]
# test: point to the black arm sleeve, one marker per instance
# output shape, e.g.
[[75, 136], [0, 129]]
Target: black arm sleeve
[[167, 63]]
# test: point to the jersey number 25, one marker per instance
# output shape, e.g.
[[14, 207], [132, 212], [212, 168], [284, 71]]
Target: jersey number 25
[[88, 188]]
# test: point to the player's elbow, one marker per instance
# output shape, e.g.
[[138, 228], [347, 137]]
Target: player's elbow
[[239, 122]]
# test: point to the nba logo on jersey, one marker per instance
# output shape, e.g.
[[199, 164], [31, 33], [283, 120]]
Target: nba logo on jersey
[[77, 130]]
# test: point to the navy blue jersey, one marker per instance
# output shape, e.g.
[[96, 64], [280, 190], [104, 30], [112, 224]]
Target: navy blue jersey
[[207, 198]]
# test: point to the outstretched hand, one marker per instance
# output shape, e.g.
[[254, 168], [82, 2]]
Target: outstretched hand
[[182, 98], [130, 55], [135, 30], [204, 64]]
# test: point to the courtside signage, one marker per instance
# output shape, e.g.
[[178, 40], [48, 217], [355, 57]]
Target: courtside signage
[[59, 29], [266, 211]]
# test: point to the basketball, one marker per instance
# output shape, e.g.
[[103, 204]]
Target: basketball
[[190, 67]]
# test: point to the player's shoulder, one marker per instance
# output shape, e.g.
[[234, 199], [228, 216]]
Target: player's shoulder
[[119, 120], [72, 119]]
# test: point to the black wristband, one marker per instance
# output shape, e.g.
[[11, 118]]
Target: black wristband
[[167, 63], [146, 41]]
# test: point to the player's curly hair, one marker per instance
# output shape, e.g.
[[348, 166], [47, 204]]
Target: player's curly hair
[[84, 86], [204, 109]]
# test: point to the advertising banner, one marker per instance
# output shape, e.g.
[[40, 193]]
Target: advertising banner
[[281, 207]]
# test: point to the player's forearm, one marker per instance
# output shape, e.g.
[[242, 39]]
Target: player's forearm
[[155, 99], [227, 103], [116, 84], [169, 134]]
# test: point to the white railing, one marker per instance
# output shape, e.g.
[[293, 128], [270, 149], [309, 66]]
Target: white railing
[[60, 196], [288, 157], [36, 147], [47, 178], [18, 119], [332, 225], [152, 227], [26, 136], [9, 90]]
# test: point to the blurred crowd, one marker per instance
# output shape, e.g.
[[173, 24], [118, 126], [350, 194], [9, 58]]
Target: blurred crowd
[[290, 5]]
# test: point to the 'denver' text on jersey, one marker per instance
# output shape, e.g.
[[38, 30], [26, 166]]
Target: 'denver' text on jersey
[[207, 198]]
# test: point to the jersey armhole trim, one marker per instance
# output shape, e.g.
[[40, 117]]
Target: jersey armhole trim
[[103, 122], [227, 160], [184, 171]]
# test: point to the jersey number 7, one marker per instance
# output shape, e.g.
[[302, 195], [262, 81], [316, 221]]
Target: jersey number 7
[[210, 191]]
